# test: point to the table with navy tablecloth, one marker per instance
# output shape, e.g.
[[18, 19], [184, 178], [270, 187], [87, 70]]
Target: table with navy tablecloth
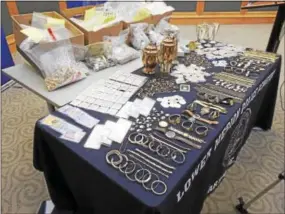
[[79, 179]]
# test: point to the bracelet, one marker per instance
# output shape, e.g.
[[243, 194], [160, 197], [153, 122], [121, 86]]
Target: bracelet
[[118, 166], [114, 152], [198, 140], [173, 157], [132, 169], [148, 161], [174, 119], [154, 159], [202, 130], [161, 154], [159, 182], [180, 148], [127, 175], [149, 188], [173, 147], [151, 144], [146, 164], [142, 179], [188, 125]]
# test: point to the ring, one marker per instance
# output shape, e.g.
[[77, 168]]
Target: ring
[[127, 175], [149, 188], [114, 152], [188, 125], [132, 170], [174, 155], [160, 148], [202, 130], [159, 182], [174, 119]]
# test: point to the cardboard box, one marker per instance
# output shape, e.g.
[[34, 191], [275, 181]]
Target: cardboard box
[[156, 18], [146, 20], [92, 36], [78, 36]]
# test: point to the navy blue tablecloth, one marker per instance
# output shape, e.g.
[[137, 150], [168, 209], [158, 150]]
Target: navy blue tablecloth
[[79, 179]]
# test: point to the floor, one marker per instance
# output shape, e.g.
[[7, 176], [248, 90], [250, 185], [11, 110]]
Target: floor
[[260, 161]]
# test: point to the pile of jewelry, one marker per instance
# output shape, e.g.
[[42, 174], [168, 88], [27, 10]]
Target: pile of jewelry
[[158, 85], [220, 51], [233, 82], [219, 94], [191, 73], [136, 167], [146, 123], [246, 66], [175, 101], [97, 63], [194, 58]]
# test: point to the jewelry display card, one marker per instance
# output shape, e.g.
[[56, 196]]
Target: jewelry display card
[[105, 96], [79, 116], [69, 131]]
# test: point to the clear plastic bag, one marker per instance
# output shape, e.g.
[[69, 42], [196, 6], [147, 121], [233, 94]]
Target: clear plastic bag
[[79, 52], [60, 68], [139, 39], [97, 63], [121, 53], [167, 29]]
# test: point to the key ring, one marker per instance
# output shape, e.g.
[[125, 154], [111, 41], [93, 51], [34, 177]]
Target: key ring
[[159, 148], [174, 156], [159, 182]]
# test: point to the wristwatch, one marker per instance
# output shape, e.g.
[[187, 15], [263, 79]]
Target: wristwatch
[[173, 135]]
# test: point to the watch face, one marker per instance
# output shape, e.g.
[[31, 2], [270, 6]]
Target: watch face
[[170, 134]]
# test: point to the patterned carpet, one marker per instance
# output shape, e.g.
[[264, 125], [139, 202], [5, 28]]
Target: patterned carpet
[[260, 161]]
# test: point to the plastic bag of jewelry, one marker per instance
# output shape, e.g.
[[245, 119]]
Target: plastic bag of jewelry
[[124, 53], [139, 39], [79, 52], [120, 52], [60, 67], [98, 56], [97, 63], [167, 29]]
